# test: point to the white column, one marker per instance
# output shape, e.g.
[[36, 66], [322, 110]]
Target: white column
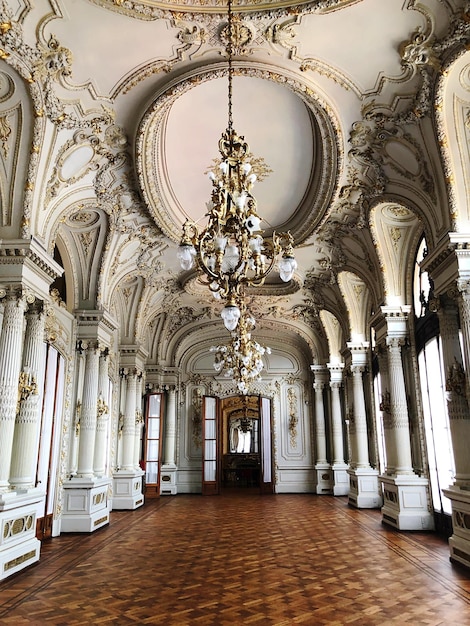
[[323, 474], [122, 410], [336, 377], [10, 364], [399, 408], [382, 355], [320, 375], [139, 421], [360, 441], [128, 429], [459, 415], [102, 416], [458, 390], [75, 436], [170, 429], [339, 467], [89, 409], [364, 490], [26, 438]]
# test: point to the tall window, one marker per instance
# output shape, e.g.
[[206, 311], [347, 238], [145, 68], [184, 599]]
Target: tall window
[[152, 450], [436, 423], [49, 436], [432, 378], [379, 422]]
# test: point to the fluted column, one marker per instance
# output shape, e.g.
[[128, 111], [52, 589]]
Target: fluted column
[[170, 429], [89, 408], [80, 364], [457, 384], [320, 375], [360, 442], [336, 377], [139, 421], [102, 416], [26, 437], [324, 477], [400, 433], [10, 364], [128, 428], [358, 426], [390, 461]]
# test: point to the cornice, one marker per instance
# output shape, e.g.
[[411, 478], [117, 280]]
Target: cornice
[[19, 251], [157, 9]]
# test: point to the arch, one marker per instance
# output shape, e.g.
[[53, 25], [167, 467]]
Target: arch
[[395, 230]]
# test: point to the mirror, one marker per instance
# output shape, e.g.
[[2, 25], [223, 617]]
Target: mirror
[[243, 435]]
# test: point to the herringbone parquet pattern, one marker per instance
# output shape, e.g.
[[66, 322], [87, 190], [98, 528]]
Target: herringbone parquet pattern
[[241, 559]]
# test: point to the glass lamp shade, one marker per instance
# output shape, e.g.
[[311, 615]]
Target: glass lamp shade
[[230, 314], [230, 260], [256, 244], [220, 243], [186, 254], [287, 267]]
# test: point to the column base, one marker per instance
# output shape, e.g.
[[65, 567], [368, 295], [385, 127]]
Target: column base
[[86, 505], [324, 479], [340, 479], [19, 547], [168, 486], [459, 542], [364, 490], [406, 502], [127, 489]]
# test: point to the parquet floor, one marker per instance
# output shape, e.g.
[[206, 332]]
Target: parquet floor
[[241, 559]]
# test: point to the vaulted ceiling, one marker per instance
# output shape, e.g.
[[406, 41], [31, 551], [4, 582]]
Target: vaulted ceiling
[[111, 114]]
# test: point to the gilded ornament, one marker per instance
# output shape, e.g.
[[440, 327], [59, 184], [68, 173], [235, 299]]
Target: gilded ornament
[[455, 381], [27, 386]]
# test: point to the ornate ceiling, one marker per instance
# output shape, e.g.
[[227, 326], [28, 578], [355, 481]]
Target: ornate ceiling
[[111, 114]]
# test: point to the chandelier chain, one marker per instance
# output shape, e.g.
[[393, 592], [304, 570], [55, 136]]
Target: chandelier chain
[[230, 65]]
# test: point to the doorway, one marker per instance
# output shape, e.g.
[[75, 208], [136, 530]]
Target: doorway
[[237, 446], [241, 453]]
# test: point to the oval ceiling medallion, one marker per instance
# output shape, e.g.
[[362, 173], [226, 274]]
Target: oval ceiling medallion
[[178, 141]]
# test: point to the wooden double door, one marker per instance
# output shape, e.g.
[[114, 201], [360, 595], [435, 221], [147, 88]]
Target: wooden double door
[[237, 444]]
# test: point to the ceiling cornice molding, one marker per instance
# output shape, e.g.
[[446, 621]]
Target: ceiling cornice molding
[[157, 9]]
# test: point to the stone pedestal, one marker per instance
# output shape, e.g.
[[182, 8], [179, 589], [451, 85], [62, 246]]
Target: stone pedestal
[[340, 479], [86, 505], [19, 546], [459, 543], [127, 489], [406, 502], [168, 486], [324, 479], [364, 491]]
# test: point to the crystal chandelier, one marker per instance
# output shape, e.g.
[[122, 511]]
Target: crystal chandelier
[[231, 251], [241, 359]]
